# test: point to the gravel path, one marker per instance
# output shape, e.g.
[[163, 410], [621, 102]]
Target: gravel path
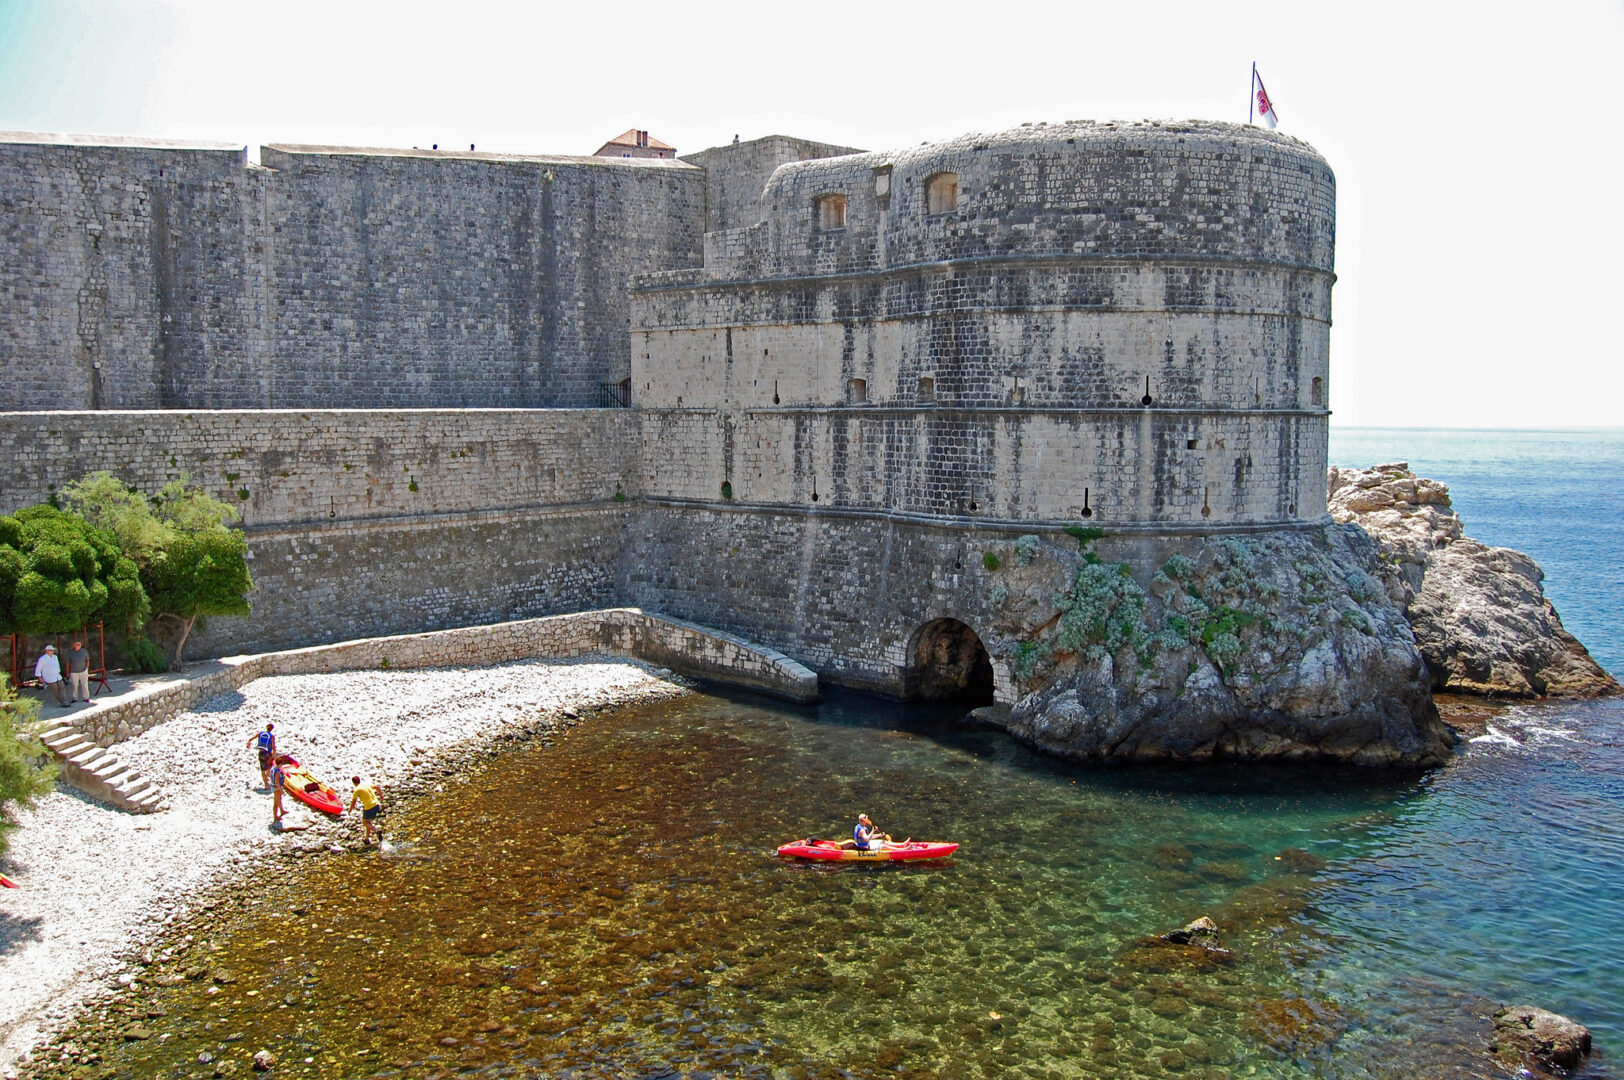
[[99, 884]]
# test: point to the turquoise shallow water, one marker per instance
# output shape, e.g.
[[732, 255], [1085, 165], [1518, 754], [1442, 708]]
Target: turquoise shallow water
[[609, 907], [1557, 495]]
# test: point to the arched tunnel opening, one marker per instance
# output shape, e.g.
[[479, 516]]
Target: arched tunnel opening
[[950, 664]]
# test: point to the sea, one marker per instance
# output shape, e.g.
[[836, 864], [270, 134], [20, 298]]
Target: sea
[[1557, 495], [609, 906]]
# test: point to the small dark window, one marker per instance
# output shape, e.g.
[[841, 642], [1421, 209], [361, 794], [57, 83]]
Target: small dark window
[[1191, 444], [1317, 392], [857, 391], [831, 211], [882, 185], [927, 389], [942, 193]]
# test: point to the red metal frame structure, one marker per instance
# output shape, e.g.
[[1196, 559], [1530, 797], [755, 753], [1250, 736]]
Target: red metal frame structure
[[98, 675]]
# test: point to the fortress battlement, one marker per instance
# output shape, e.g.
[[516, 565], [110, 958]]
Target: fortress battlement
[[780, 387]]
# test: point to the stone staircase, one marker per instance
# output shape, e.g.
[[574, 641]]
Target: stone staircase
[[95, 771]]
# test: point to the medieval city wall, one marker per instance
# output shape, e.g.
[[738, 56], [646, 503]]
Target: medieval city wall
[[180, 276], [832, 416], [736, 175], [1136, 470], [367, 522]]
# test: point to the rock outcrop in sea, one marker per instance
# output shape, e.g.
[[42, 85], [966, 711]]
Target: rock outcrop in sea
[[1479, 613], [1280, 646], [1528, 1037]]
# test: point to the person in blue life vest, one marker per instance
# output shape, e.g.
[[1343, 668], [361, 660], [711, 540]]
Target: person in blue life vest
[[866, 837], [266, 741], [277, 781]]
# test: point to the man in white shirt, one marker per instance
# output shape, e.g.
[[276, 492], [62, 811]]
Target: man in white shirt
[[49, 672]]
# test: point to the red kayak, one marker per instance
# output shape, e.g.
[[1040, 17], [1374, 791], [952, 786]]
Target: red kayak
[[835, 851], [297, 781], [8, 883]]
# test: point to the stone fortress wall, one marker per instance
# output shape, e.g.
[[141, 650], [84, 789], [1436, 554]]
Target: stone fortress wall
[[832, 414], [363, 522], [144, 277], [997, 357]]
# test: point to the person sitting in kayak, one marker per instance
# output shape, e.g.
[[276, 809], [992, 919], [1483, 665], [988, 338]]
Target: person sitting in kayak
[[865, 837]]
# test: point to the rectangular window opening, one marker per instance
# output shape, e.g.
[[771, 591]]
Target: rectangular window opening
[[831, 211]]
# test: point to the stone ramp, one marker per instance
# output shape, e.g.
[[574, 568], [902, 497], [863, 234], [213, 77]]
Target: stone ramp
[[97, 772], [134, 705]]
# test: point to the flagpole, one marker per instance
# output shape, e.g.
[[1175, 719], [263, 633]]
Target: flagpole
[[1251, 93]]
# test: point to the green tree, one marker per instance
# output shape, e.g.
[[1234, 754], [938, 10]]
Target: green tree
[[200, 574], [59, 572], [21, 780], [192, 562]]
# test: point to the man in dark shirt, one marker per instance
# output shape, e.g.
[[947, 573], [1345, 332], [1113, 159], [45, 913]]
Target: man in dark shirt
[[78, 673]]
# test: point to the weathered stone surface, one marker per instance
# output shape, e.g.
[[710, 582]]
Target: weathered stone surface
[[1525, 1036], [690, 650], [1280, 646], [1479, 613], [833, 420], [264, 1061]]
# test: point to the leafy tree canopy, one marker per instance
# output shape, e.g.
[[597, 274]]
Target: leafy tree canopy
[[192, 563], [58, 572]]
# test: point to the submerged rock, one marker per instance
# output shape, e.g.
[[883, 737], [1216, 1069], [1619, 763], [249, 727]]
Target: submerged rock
[[1529, 1037], [1202, 932], [1479, 613], [1277, 646]]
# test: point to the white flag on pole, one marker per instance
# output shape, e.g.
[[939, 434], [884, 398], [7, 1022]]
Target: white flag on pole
[[1260, 101]]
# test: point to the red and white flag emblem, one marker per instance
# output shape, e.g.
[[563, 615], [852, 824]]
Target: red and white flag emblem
[[1261, 105]]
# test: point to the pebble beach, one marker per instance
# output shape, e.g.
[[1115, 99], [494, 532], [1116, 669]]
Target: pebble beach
[[100, 886]]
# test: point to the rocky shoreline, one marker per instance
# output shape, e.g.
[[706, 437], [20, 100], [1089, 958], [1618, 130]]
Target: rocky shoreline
[[107, 898], [1479, 613], [1318, 645]]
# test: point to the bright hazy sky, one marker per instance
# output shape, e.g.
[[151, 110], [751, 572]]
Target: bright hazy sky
[[1477, 146]]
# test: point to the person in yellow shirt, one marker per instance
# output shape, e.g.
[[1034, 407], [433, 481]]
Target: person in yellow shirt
[[368, 798]]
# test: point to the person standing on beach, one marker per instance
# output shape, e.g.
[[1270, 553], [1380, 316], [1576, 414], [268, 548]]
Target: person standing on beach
[[48, 670], [276, 779], [266, 741], [368, 798], [79, 673]]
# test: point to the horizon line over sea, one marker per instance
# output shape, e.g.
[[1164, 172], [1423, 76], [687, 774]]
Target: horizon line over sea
[[1555, 494]]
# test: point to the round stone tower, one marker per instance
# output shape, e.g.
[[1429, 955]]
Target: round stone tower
[[877, 411], [1119, 324]]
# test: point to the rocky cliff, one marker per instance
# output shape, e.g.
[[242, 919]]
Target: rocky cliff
[[1479, 613], [1279, 646]]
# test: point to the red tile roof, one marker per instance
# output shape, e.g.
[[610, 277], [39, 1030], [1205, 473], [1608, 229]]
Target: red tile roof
[[629, 138]]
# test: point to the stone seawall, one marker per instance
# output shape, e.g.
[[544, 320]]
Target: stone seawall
[[849, 595], [371, 521], [683, 647]]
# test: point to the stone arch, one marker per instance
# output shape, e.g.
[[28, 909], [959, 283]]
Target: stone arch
[[948, 662]]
